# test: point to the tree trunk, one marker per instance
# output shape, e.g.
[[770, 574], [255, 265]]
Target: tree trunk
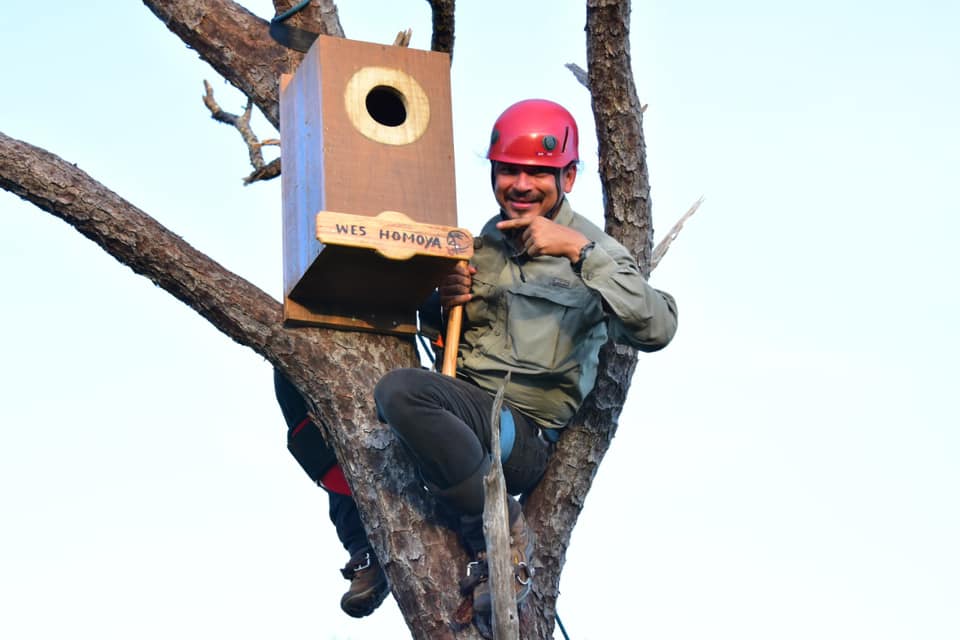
[[420, 555]]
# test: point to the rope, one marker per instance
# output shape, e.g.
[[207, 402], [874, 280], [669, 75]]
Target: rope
[[560, 624], [289, 12]]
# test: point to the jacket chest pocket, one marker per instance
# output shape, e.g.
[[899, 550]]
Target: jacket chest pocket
[[547, 324]]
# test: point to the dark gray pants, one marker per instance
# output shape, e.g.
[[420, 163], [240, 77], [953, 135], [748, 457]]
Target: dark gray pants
[[444, 423]]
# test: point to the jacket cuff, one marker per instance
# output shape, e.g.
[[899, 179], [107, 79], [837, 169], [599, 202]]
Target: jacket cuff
[[597, 265]]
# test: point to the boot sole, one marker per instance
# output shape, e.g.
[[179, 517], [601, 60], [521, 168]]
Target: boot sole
[[362, 604]]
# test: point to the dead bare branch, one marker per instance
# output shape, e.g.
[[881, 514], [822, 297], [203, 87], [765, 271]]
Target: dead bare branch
[[578, 73], [242, 124], [581, 77], [663, 245], [267, 172]]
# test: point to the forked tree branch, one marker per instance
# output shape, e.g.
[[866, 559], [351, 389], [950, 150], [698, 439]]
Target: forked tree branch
[[261, 171], [325, 365], [555, 505], [236, 43]]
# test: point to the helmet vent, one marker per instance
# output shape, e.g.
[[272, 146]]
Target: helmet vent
[[385, 105]]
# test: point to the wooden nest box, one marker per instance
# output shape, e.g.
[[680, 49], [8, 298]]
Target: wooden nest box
[[369, 203]]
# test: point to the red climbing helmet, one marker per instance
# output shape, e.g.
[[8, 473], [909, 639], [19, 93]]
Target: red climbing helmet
[[535, 132]]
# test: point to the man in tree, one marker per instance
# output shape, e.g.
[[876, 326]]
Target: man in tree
[[544, 292]]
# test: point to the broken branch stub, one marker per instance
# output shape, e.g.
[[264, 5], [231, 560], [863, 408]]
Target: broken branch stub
[[496, 531]]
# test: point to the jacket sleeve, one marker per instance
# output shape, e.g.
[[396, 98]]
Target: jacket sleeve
[[638, 315]]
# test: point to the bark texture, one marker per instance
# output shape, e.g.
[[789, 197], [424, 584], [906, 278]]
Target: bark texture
[[336, 370], [442, 12], [238, 45], [555, 505]]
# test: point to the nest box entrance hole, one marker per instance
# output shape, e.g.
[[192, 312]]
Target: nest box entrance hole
[[387, 106]]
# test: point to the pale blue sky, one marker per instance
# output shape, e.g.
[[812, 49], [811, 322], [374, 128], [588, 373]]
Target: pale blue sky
[[788, 468]]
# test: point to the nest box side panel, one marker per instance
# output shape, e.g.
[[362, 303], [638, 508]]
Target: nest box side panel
[[388, 130], [301, 134]]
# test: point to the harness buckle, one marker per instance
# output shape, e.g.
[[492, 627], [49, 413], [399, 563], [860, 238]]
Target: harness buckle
[[521, 567]]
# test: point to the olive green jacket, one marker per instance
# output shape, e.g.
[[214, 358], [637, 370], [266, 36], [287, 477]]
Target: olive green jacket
[[545, 323]]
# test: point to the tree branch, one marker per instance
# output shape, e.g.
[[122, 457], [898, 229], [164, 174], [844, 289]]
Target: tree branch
[[242, 124], [238, 45], [581, 76], [554, 506], [443, 20], [236, 307], [664, 244], [266, 172], [316, 361], [319, 15]]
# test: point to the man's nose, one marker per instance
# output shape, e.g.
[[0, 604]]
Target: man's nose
[[522, 183]]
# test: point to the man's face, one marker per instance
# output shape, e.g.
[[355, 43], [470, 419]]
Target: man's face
[[527, 191]]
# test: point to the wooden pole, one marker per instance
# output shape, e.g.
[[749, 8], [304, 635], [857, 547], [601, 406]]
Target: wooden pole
[[451, 342]]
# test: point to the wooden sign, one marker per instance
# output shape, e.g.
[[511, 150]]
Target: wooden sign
[[366, 129], [394, 235]]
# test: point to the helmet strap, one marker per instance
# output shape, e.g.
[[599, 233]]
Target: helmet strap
[[560, 196]]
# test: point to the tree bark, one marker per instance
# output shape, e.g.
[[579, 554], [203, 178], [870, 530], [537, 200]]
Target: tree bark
[[327, 366], [555, 505], [421, 556], [238, 45], [442, 12]]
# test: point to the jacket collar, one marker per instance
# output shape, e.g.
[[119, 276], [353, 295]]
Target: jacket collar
[[565, 214]]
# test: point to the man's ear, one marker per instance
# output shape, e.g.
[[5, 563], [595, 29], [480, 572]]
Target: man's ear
[[569, 177]]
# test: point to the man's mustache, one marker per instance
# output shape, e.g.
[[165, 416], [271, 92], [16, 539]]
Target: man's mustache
[[522, 196]]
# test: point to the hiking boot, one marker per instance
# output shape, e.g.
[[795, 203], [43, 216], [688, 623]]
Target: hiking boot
[[476, 580], [368, 584]]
